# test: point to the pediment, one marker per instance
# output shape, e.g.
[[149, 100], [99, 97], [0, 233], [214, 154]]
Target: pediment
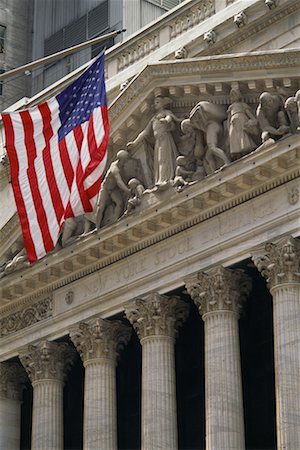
[[186, 82]]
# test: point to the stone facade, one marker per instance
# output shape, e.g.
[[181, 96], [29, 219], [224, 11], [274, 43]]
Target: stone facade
[[183, 301]]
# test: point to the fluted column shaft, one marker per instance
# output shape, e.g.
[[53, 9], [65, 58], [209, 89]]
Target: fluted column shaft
[[12, 378], [156, 319], [100, 403], [286, 316], [47, 364], [223, 382], [281, 267], [98, 342], [159, 418], [219, 294], [47, 415], [10, 424]]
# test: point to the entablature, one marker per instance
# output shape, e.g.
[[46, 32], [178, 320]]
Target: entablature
[[159, 217]]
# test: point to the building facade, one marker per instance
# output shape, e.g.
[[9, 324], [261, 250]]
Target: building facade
[[32, 29], [174, 324]]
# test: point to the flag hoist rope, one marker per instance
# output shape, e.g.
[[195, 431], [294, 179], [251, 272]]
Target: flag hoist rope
[[47, 59]]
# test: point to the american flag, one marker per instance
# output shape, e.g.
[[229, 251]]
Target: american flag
[[57, 154]]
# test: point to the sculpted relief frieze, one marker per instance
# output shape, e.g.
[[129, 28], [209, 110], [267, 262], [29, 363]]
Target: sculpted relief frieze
[[26, 317]]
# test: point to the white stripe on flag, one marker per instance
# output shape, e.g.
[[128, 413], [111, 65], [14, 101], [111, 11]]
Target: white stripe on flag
[[34, 227], [98, 125], [41, 174]]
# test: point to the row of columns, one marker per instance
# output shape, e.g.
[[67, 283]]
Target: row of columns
[[219, 294]]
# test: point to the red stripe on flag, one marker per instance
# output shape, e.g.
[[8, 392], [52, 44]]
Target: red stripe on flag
[[53, 189], [33, 181], [14, 174], [66, 162]]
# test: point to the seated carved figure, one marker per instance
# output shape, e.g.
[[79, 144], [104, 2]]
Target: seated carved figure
[[182, 174], [209, 118], [136, 192], [271, 117]]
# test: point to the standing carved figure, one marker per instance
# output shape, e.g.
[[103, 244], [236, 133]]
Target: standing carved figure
[[160, 129], [242, 126], [271, 117], [209, 118], [111, 189]]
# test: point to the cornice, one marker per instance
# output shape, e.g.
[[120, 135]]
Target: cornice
[[250, 177], [228, 42], [204, 68]]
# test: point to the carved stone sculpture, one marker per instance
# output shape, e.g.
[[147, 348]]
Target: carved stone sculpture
[[159, 131], [271, 117], [182, 174], [271, 4], [209, 118], [297, 98], [136, 192], [112, 188], [242, 126], [181, 53], [18, 261], [73, 227], [210, 37], [291, 109], [240, 19]]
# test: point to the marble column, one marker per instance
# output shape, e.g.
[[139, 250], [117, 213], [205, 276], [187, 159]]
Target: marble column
[[12, 379], [47, 364], [280, 265], [156, 319], [98, 342], [219, 294]]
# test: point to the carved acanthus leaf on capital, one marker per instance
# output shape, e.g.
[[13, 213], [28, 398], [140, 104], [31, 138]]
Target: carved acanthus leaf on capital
[[281, 262], [47, 360], [219, 289], [156, 315], [12, 380], [99, 338]]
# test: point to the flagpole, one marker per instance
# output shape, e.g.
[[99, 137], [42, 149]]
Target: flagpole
[[47, 59]]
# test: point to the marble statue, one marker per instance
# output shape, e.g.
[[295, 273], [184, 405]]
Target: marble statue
[[18, 261], [242, 126], [210, 37], [271, 117], [136, 192], [297, 99], [209, 118], [112, 190], [181, 53], [291, 109], [73, 227], [159, 130], [240, 19], [182, 174]]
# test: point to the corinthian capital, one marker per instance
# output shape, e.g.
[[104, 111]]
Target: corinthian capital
[[219, 289], [12, 380], [47, 360], [281, 262], [99, 338], [156, 315]]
